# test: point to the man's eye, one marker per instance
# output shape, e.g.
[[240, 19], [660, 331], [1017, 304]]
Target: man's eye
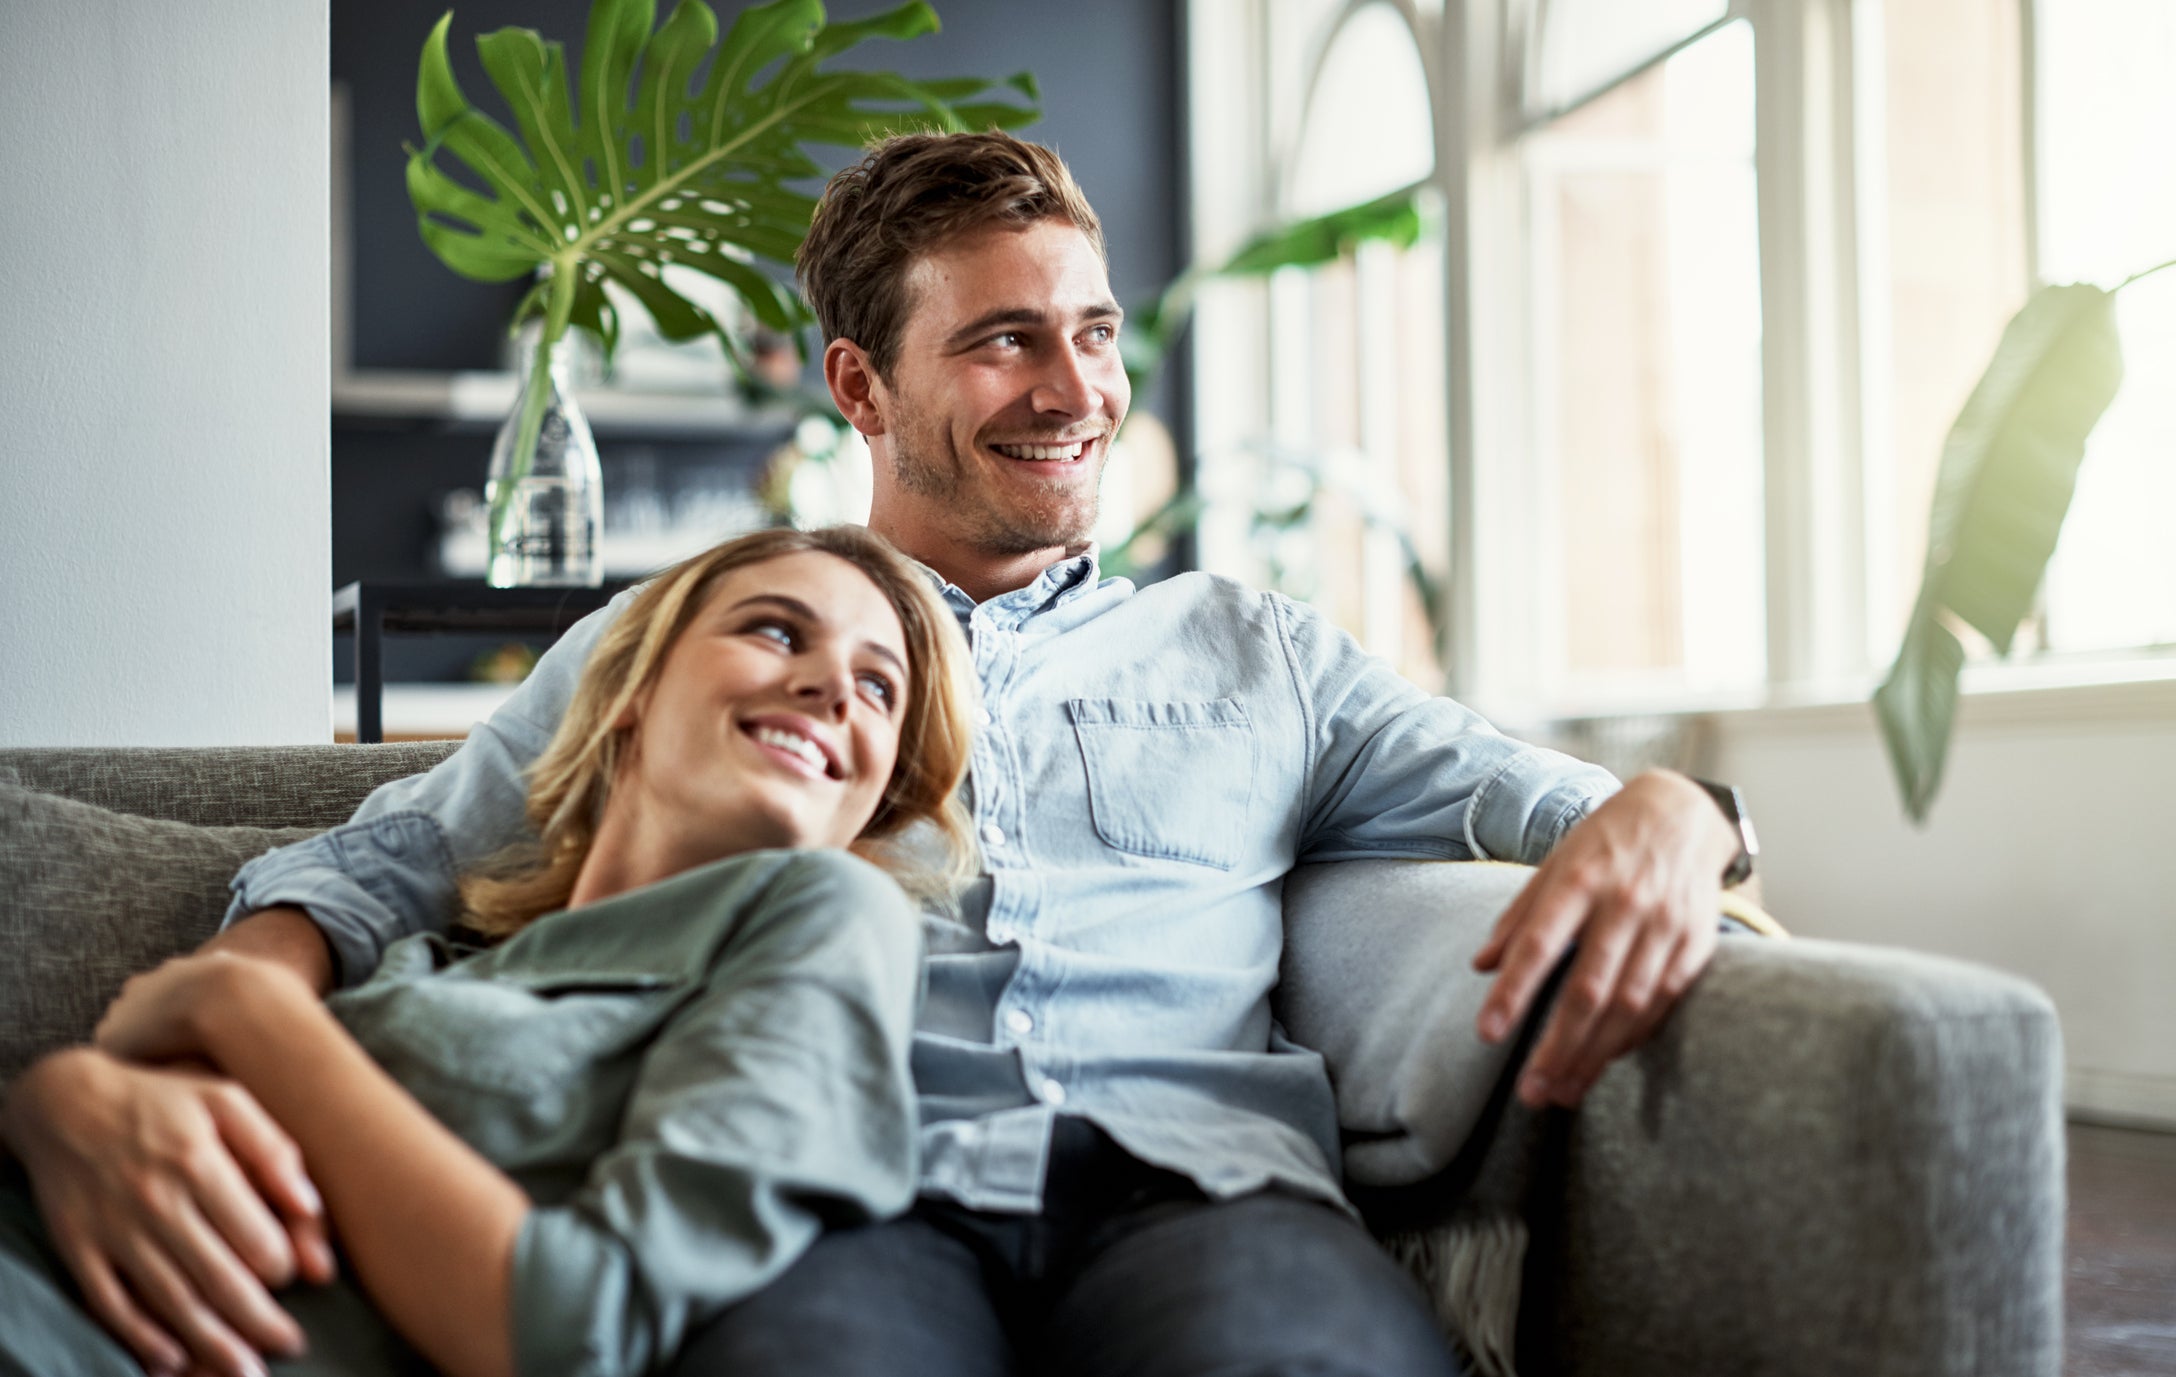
[[1010, 339], [1103, 334]]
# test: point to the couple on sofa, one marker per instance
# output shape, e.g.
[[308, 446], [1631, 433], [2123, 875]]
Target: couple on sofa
[[705, 1100]]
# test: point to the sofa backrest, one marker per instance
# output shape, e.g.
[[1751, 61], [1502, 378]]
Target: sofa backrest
[[112, 860], [222, 786]]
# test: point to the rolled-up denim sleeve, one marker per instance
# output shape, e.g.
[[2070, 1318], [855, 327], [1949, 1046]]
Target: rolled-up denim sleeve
[[778, 1100], [392, 869], [1397, 771]]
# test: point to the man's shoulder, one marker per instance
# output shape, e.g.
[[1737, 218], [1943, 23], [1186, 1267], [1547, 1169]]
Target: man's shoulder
[[1198, 593]]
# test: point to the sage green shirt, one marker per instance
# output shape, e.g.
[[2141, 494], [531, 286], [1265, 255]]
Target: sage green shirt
[[690, 1081]]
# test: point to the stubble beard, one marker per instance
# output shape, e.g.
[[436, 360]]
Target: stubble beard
[[927, 468]]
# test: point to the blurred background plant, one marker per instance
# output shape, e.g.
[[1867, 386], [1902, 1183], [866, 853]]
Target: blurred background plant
[[2007, 473]]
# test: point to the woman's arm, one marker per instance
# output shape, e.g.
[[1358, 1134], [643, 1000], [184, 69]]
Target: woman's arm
[[175, 1201], [428, 1225]]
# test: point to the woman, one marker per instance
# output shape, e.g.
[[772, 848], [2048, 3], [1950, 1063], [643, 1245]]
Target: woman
[[689, 1051]]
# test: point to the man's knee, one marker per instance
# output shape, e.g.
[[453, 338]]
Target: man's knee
[[885, 1300], [1268, 1284]]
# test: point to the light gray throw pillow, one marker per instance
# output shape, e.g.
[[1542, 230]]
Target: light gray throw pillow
[[89, 897]]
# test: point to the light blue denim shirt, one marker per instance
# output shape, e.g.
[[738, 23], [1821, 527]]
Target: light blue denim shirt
[[1150, 765]]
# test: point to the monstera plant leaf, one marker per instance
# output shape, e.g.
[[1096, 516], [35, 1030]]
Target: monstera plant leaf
[[2007, 473], [671, 148]]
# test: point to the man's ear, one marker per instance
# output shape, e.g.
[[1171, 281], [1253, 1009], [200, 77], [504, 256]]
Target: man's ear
[[855, 388]]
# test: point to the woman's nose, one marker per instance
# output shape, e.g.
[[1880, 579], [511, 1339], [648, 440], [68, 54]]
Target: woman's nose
[[823, 682]]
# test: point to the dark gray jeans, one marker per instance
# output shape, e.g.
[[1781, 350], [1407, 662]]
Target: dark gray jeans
[[1129, 1270]]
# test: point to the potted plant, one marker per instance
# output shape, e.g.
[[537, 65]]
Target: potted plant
[[672, 150]]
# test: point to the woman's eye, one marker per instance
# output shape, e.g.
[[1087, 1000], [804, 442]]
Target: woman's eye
[[880, 688], [775, 631]]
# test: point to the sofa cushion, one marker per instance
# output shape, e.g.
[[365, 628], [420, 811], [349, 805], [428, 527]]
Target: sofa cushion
[[88, 897]]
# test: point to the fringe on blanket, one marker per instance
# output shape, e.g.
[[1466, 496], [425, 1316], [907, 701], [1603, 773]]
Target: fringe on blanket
[[1470, 1269]]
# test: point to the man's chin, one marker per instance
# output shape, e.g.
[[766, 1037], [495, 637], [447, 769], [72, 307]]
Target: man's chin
[[1018, 533]]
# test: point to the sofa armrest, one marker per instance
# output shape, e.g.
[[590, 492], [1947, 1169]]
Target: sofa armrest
[[1832, 1159]]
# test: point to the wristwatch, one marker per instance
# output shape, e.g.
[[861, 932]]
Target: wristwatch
[[1732, 803]]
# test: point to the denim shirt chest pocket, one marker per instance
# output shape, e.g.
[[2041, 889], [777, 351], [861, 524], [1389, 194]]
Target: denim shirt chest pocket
[[1168, 780]]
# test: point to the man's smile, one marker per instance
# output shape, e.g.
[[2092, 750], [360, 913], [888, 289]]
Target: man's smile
[[1066, 452]]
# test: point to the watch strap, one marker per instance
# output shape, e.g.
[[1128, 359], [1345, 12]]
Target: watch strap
[[1734, 810]]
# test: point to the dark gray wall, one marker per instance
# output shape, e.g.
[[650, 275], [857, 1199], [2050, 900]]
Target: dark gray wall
[[1110, 74]]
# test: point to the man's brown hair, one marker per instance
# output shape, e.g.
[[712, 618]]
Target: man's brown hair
[[910, 195]]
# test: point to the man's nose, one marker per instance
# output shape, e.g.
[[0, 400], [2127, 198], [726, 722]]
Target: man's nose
[[1069, 386]]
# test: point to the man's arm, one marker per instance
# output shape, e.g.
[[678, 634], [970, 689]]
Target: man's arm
[[284, 936], [1631, 875]]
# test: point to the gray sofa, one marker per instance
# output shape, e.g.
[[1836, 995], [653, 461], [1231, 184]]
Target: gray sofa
[[1833, 1158]]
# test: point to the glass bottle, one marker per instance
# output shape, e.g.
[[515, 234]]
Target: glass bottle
[[546, 495]]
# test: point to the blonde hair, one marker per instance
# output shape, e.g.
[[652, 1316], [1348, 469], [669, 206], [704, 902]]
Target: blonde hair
[[570, 781]]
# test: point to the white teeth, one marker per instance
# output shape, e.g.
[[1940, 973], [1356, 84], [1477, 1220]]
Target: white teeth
[[1072, 451], [793, 741]]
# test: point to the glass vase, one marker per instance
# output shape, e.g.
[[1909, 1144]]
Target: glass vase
[[544, 489]]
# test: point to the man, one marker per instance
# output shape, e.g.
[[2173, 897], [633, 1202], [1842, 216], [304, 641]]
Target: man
[[1125, 1167]]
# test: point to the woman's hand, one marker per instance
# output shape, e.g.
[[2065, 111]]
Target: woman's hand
[[161, 1015], [176, 1202]]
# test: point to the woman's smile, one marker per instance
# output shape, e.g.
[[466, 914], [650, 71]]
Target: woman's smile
[[796, 741]]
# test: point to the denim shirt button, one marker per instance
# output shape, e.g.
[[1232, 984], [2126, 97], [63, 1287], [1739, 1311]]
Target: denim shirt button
[[1019, 1021], [993, 834], [1049, 1092]]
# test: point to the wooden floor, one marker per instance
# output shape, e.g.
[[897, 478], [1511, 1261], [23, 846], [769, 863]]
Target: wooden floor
[[2120, 1278]]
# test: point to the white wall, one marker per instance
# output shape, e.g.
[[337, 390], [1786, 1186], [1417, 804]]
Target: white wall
[[165, 528], [2050, 853]]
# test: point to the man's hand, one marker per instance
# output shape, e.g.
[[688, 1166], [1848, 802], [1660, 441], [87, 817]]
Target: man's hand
[[1636, 885], [176, 1202]]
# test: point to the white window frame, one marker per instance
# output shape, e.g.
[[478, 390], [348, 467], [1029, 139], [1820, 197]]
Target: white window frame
[[1812, 404], [1824, 403]]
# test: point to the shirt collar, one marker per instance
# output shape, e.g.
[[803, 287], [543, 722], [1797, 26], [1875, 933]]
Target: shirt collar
[[1057, 585]]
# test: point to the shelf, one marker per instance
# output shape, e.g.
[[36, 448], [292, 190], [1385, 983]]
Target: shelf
[[480, 402], [422, 711]]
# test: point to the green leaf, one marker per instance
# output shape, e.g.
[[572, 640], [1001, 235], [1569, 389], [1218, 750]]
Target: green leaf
[[1917, 706], [1323, 238], [639, 166], [2007, 473], [1306, 243], [532, 78], [1151, 328]]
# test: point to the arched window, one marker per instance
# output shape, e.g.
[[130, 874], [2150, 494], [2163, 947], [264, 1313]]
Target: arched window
[[1339, 492]]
